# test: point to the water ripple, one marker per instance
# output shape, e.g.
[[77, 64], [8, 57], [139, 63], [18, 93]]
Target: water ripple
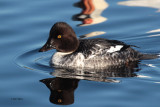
[[32, 60]]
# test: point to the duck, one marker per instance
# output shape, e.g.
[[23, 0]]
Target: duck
[[89, 53]]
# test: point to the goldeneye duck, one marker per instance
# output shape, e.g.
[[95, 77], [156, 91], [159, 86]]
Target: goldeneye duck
[[89, 53]]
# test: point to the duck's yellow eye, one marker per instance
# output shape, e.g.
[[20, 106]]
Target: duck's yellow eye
[[59, 36], [59, 100], [59, 90]]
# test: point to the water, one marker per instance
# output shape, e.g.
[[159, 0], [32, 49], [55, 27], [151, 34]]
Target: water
[[24, 71]]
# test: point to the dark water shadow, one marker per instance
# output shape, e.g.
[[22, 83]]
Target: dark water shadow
[[62, 90]]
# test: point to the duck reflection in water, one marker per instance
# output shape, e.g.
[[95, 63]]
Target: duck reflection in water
[[62, 89], [91, 12], [66, 80]]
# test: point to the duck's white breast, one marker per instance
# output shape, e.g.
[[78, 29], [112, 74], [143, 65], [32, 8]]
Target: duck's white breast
[[61, 59]]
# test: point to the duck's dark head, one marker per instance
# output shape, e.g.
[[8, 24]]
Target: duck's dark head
[[62, 38]]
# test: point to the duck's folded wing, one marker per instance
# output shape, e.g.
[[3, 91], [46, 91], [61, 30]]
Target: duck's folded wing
[[101, 46]]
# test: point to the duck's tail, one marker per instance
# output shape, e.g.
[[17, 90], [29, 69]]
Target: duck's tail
[[149, 56]]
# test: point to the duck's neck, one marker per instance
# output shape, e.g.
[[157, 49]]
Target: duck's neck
[[63, 53]]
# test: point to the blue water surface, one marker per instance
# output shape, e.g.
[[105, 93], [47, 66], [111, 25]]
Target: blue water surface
[[24, 28]]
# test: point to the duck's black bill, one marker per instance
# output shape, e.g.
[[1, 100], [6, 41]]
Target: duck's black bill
[[46, 47], [43, 49]]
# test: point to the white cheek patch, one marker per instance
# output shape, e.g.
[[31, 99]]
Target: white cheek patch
[[115, 48]]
